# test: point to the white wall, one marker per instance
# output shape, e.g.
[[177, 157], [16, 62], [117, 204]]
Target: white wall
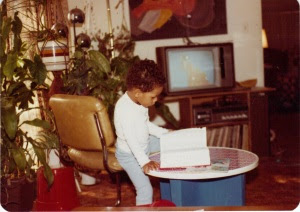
[[244, 25]]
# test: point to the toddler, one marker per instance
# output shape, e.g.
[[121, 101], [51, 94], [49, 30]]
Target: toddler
[[137, 137]]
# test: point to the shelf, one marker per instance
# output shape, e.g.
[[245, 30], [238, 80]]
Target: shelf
[[212, 108], [236, 90], [222, 124]]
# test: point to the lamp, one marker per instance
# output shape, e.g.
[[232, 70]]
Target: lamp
[[264, 39], [111, 38], [82, 40], [76, 16]]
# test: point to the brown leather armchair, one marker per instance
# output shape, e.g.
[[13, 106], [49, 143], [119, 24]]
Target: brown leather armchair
[[84, 127]]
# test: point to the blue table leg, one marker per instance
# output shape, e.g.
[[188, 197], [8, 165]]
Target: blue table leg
[[227, 191]]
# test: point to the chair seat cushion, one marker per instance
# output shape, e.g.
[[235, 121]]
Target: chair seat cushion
[[93, 159]]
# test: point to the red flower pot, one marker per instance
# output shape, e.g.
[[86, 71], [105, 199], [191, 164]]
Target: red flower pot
[[62, 196]]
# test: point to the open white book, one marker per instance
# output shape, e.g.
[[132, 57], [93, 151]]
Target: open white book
[[184, 148]]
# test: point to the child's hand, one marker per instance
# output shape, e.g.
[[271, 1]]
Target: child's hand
[[152, 165]]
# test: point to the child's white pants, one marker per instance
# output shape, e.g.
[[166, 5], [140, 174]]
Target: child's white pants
[[141, 182]]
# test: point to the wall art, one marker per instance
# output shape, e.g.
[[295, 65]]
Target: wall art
[[160, 19]]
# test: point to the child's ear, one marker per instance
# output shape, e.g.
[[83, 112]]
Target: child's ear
[[137, 93]]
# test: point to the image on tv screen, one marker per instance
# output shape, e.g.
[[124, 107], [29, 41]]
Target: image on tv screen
[[190, 69]]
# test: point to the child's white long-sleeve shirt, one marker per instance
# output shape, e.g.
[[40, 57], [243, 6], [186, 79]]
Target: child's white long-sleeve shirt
[[133, 128]]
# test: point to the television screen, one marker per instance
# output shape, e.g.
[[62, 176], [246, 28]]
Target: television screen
[[196, 68]]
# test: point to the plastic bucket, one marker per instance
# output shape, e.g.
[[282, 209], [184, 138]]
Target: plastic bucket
[[62, 196]]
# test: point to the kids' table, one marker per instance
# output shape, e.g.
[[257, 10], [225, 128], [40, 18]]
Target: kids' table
[[204, 187]]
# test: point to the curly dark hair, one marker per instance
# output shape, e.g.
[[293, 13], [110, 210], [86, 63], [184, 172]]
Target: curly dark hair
[[145, 75]]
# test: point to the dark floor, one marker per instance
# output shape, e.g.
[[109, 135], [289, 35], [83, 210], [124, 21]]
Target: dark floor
[[276, 181]]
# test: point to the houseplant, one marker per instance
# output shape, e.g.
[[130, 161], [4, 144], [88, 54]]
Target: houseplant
[[21, 76], [98, 73]]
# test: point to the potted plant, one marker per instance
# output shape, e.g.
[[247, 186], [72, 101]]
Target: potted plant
[[97, 73], [21, 153]]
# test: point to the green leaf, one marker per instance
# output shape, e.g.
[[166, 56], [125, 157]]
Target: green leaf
[[50, 140], [17, 24], [20, 62], [10, 65], [17, 44], [9, 118], [120, 66], [166, 114], [19, 158], [112, 83], [13, 87], [24, 96], [40, 72], [25, 100], [48, 174], [29, 64], [96, 69], [40, 153], [38, 123], [17, 29], [78, 54], [37, 69], [12, 166], [100, 60]]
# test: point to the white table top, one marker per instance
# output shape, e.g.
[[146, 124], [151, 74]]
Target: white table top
[[241, 161]]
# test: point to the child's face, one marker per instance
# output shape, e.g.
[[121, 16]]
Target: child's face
[[148, 99]]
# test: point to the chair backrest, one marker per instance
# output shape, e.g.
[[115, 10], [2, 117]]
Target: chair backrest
[[75, 121]]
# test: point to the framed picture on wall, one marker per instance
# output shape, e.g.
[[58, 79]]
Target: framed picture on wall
[[160, 19]]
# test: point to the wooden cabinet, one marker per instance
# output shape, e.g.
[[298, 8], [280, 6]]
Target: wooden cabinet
[[239, 110]]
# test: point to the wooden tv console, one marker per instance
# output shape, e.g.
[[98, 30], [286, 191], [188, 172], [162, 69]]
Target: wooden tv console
[[237, 106]]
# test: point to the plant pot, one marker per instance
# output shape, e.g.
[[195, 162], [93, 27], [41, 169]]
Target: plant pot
[[62, 196], [55, 54], [18, 194]]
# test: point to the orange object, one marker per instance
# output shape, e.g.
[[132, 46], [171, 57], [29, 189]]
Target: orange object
[[62, 196]]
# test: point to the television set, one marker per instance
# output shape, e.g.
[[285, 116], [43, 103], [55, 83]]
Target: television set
[[197, 68]]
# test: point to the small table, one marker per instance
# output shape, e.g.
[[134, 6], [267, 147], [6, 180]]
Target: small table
[[205, 187]]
